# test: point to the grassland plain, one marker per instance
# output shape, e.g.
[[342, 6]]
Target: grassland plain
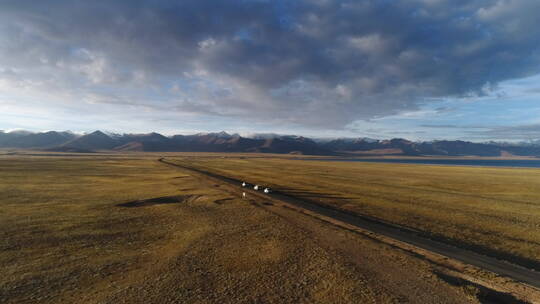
[[495, 210], [130, 230]]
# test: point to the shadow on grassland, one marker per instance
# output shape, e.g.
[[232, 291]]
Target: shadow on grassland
[[157, 201], [482, 293]]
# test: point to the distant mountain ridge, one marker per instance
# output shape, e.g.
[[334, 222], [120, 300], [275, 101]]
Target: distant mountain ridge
[[24, 139], [265, 143]]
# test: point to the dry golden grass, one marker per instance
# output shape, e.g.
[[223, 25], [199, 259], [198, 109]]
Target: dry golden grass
[[128, 229], [493, 209], [65, 239]]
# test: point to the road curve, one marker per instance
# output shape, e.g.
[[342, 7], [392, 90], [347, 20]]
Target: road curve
[[494, 265]]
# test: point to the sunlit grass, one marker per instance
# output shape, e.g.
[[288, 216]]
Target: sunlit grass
[[494, 208], [66, 237]]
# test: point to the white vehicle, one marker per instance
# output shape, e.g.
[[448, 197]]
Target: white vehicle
[[267, 190], [256, 187], [243, 184]]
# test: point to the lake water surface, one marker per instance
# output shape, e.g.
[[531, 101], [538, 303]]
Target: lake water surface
[[520, 163]]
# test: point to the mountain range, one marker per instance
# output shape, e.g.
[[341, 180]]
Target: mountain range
[[265, 143]]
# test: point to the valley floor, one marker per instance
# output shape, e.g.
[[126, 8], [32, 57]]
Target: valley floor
[[491, 210], [129, 229]]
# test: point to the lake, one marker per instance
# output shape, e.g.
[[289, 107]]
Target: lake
[[520, 163]]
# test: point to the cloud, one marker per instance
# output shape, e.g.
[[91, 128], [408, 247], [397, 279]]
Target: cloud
[[511, 133], [319, 64], [453, 126]]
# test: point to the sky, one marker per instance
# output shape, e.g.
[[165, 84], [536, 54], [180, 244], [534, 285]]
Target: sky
[[415, 69]]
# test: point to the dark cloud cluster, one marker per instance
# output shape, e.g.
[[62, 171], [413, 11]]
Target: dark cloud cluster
[[322, 63]]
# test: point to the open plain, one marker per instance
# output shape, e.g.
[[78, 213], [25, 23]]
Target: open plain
[[491, 210], [125, 228]]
